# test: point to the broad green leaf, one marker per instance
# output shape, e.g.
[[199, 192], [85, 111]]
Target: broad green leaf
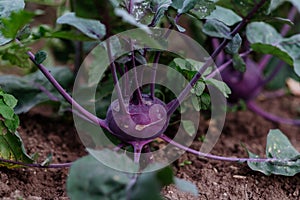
[[159, 7], [130, 19], [244, 7], [234, 45], [97, 181], [292, 46], [92, 28], [260, 32], [276, 3], [224, 15], [113, 157], [183, 6], [221, 86], [12, 148], [186, 186], [202, 9], [6, 7], [216, 28], [265, 39], [189, 127], [238, 63], [149, 185], [274, 50], [5, 111], [40, 57], [12, 24], [279, 147], [31, 90]]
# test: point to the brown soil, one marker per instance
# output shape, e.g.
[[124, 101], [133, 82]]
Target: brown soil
[[215, 180]]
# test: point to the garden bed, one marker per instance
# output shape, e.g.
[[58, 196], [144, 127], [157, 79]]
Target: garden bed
[[44, 133]]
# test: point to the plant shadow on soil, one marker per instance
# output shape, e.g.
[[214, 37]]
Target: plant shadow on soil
[[45, 133]]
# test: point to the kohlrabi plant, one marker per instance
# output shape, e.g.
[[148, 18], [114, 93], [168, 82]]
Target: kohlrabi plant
[[117, 96]]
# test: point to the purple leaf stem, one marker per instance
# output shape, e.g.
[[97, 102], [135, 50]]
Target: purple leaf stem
[[67, 97], [220, 158], [225, 65], [139, 94], [252, 106], [115, 78]]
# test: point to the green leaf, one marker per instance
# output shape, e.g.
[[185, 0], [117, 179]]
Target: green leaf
[[149, 185], [260, 32], [14, 23], [278, 146], [12, 148], [276, 3], [5, 111], [130, 19], [98, 181], [6, 7], [186, 186], [159, 7], [202, 9], [199, 88], [224, 15], [16, 55], [9, 100], [234, 45], [221, 86], [243, 7], [189, 127], [29, 90], [238, 63], [91, 28], [216, 28], [40, 57], [183, 6], [11, 145], [265, 39], [205, 101], [116, 158]]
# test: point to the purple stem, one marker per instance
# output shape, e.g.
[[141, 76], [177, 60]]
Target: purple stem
[[221, 158], [156, 60], [115, 78], [221, 57], [285, 29], [62, 165], [47, 92], [153, 78], [173, 105], [274, 72], [67, 97], [130, 6], [252, 106], [139, 94], [225, 65]]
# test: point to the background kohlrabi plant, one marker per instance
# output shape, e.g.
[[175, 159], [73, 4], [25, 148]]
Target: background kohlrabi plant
[[254, 43]]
